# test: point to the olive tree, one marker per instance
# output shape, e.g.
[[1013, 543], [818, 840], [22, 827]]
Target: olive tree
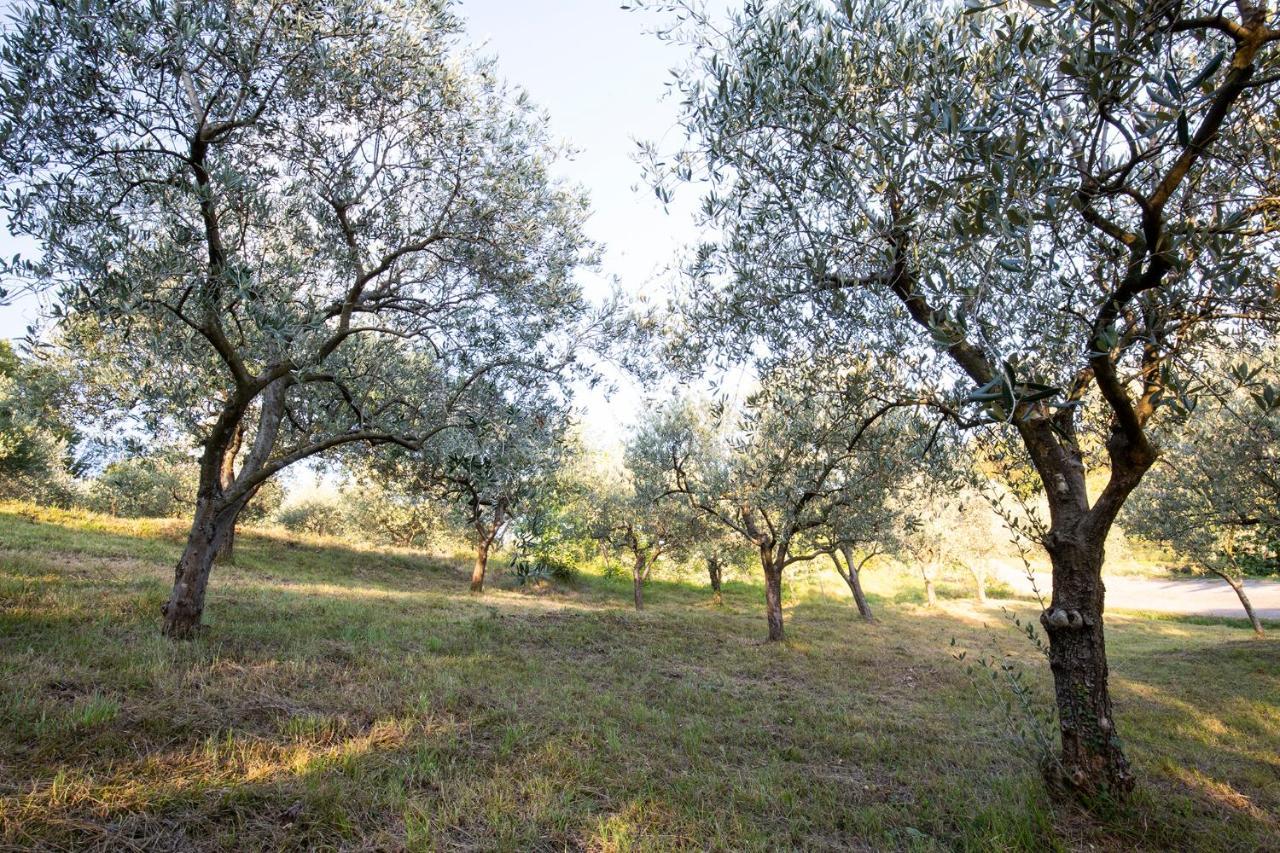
[[948, 526], [868, 526], [630, 517], [37, 439], [557, 527], [1045, 210], [487, 468], [390, 514], [1214, 495], [787, 471], [302, 225], [718, 549]]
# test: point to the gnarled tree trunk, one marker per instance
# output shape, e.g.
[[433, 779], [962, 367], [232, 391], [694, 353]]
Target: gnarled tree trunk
[[219, 501], [209, 531], [852, 574], [227, 550], [226, 554], [1092, 759], [481, 565], [772, 564], [714, 572], [638, 573], [486, 535]]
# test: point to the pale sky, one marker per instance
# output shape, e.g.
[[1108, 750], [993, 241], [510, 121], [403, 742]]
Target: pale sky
[[601, 77]]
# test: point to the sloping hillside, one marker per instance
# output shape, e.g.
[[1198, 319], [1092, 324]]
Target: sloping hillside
[[348, 699]]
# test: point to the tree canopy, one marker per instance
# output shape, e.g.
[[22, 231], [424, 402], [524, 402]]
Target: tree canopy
[[1043, 212], [324, 217]]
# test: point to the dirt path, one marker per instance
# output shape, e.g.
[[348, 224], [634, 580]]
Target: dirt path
[[1207, 597]]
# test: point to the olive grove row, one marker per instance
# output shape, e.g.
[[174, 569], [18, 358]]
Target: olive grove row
[[1012, 243]]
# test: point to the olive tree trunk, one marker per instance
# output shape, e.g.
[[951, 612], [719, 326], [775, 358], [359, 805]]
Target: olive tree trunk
[[851, 571], [1091, 758], [481, 565], [637, 580], [1237, 584], [226, 554], [210, 529], [227, 551], [927, 571], [219, 501], [486, 535], [714, 570], [772, 564], [980, 579]]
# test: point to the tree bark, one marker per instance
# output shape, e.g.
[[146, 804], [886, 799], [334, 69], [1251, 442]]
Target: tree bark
[[485, 537], [855, 586], [1091, 760], [216, 510], [482, 563], [714, 572], [853, 577], [227, 475], [930, 594], [227, 552], [772, 565], [209, 531], [1238, 586], [637, 581]]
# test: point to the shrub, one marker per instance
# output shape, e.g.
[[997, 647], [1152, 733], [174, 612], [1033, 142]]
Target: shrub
[[159, 485], [318, 516]]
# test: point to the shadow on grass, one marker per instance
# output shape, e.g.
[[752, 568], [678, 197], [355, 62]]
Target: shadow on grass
[[341, 703]]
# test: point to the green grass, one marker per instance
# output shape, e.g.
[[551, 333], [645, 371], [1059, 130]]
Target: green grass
[[344, 698]]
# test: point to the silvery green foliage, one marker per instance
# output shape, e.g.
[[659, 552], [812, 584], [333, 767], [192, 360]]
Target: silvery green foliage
[[160, 482], [1054, 183], [628, 512], [336, 195], [37, 440], [807, 462], [1214, 497], [388, 515], [556, 528], [946, 527], [503, 453]]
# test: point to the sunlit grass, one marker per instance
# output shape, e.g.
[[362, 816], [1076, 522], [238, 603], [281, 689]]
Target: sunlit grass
[[358, 697]]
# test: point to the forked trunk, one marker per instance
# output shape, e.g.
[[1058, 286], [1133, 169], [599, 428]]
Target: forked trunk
[[713, 571], [482, 563], [209, 531], [216, 512], [1092, 760], [853, 577], [772, 592]]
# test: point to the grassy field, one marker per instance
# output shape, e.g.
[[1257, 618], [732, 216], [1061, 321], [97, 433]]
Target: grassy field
[[353, 699]]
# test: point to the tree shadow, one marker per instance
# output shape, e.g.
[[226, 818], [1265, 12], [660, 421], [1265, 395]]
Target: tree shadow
[[357, 711]]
